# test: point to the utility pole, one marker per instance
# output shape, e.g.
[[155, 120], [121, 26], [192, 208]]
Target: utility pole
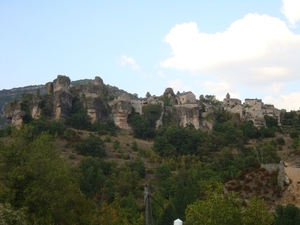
[[148, 210]]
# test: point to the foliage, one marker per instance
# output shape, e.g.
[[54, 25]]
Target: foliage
[[138, 166], [294, 133], [112, 214], [176, 140], [52, 127], [34, 178], [26, 100], [116, 145], [78, 118], [46, 106], [218, 208], [226, 208], [152, 111], [166, 100], [6, 131], [94, 176], [91, 146], [271, 121], [134, 146], [249, 130], [108, 127], [290, 119], [267, 132], [8, 215], [267, 153], [143, 128], [287, 215], [257, 213], [211, 99]]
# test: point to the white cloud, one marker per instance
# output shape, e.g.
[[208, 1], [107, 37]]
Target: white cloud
[[221, 89], [257, 50], [275, 87], [289, 102], [291, 10], [128, 61], [177, 85], [161, 74]]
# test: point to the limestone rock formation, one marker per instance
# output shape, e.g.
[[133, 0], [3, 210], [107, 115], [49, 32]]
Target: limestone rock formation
[[49, 87], [121, 109], [103, 102], [186, 115], [169, 91], [62, 102], [61, 83], [14, 112]]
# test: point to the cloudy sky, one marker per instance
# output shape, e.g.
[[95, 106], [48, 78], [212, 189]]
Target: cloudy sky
[[250, 48]]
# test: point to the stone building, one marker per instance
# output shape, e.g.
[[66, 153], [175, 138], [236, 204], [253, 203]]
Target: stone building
[[231, 102], [186, 98]]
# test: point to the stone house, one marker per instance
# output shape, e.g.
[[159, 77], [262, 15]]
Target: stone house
[[186, 98]]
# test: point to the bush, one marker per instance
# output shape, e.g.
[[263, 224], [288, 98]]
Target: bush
[[91, 146], [116, 145], [134, 146], [138, 166], [280, 141]]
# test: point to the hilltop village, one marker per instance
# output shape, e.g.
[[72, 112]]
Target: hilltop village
[[101, 105]]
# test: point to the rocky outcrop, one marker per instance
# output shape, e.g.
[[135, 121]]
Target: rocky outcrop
[[169, 92], [96, 109], [36, 111], [49, 87], [14, 112], [61, 83], [62, 105], [121, 109], [207, 120], [188, 115]]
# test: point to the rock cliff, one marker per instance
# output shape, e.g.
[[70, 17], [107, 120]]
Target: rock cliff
[[102, 104]]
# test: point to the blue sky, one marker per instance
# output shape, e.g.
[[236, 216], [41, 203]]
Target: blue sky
[[250, 49]]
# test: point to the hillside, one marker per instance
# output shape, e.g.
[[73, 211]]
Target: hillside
[[111, 144]]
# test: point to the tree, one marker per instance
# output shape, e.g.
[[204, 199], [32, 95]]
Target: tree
[[93, 177], [217, 208], [138, 166], [34, 178], [287, 215], [142, 127], [8, 215], [148, 95], [226, 208], [91, 146], [257, 213], [79, 118], [112, 214]]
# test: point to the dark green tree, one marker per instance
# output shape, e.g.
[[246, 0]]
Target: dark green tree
[[287, 215], [91, 146], [36, 180]]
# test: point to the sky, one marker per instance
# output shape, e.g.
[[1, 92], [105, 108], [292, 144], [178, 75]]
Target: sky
[[249, 49]]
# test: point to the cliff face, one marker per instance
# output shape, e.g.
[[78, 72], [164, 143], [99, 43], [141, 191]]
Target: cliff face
[[121, 109], [188, 115], [14, 113], [101, 105]]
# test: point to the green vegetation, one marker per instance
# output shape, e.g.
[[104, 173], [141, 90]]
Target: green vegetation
[[221, 208], [287, 215], [91, 146], [81, 173]]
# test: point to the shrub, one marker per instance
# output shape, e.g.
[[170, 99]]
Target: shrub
[[91, 146], [134, 146], [116, 145]]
